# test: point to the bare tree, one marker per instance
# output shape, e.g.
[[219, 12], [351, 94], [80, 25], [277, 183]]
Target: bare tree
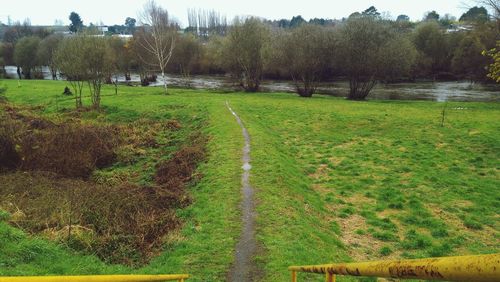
[[85, 57], [159, 37], [243, 50], [370, 51], [68, 58], [46, 51], [205, 23], [304, 53]]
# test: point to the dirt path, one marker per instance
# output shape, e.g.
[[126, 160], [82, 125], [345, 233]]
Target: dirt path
[[244, 267]]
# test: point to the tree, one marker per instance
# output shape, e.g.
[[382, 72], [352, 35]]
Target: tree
[[46, 51], [447, 20], [475, 15], [431, 42], [8, 53], [130, 24], [69, 59], [468, 58], [243, 52], [158, 38], [494, 6], [369, 51], [303, 53], [431, 16], [403, 18], [187, 54], [85, 58], [123, 52], [25, 54], [17, 31], [297, 21], [494, 68], [2, 61], [98, 64], [205, 23], [76, 22], [371, 12]]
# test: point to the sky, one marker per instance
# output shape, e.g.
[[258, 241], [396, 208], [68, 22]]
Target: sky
[[110, 12]]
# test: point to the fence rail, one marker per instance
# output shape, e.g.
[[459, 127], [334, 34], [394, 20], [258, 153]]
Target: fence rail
[[97, 278], [462, 268]]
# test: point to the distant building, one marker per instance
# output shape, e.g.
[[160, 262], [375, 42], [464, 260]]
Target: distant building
[[459, 27], [103, 29]]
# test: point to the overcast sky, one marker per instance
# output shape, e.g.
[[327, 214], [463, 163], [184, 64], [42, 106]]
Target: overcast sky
[[45, 12]]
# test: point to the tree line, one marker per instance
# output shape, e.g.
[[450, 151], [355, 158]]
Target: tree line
[[366, 48]]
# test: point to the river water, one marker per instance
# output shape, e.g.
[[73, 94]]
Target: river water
[[433, 91]]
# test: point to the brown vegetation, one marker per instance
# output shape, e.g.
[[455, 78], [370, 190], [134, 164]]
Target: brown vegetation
[[50, 192], [68, 149]]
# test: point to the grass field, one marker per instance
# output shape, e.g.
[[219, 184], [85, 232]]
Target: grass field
[[335, 180]]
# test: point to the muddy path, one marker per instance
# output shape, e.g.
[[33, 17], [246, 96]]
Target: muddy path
[[244, 267]]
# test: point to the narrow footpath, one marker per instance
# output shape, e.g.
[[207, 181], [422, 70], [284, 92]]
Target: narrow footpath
[[244, 267]]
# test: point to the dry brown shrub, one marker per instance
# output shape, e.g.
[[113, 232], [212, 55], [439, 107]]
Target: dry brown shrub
[[71, 150], [120, 222], [181, 165]]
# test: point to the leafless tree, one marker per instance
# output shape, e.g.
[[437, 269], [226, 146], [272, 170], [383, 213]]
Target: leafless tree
[[207, 22], [303, 53], [243, 52], [159, 37], [369, 52], [68, 58], [85, 58]]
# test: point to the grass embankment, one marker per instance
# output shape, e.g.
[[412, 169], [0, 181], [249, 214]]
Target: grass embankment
[[373, 180], [335, 180]]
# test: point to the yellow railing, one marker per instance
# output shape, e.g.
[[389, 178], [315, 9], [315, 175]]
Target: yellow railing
[[463, 268], [98, 278]]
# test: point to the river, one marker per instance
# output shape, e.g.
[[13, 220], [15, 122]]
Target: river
[[433, 91]]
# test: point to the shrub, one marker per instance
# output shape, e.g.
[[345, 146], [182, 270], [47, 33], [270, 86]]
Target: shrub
[[71, 150], [9, 159]]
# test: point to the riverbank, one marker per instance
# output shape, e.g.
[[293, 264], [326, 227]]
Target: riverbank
[[440, 91]]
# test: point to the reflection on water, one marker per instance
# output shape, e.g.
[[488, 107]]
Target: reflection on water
[[437, 91]]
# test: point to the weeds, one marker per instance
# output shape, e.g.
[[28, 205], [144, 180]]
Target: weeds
[[120, 223]]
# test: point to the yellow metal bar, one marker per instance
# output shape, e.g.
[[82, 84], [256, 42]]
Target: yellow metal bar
[[97, 278], [294, 276], [463, 268], [330, 277]]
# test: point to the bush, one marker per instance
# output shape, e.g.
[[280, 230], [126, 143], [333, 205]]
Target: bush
[[71, 150], [9, 158]]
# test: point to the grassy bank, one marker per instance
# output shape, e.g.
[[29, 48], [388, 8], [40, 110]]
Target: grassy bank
[[335, 180]]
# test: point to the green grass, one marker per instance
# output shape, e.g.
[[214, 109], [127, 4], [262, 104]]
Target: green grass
[[321, 167]]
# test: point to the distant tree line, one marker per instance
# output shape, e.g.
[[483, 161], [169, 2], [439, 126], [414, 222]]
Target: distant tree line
[[366, 48]]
